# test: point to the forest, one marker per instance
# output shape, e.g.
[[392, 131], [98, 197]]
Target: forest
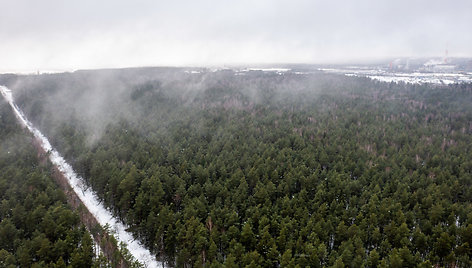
[[37, 227], [261, 169]]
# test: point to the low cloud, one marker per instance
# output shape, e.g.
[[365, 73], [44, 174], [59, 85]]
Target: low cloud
[[53, 35]]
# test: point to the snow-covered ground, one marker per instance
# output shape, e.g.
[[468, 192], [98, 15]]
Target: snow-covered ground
[[86, 195], [406, 77], [277, 70], [244, 71]]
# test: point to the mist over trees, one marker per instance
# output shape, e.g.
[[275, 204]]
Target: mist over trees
[[267, 169], [37, 227]]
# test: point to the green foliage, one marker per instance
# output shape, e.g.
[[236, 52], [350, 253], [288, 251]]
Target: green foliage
[[37, 227], [268, 170]]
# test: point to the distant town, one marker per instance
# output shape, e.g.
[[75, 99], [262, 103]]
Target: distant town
[[412, 70]]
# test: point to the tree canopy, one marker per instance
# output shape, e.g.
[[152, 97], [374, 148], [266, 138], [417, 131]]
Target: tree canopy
[[268, 170]]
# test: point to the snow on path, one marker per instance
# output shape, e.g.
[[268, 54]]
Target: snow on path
[[86, 195]]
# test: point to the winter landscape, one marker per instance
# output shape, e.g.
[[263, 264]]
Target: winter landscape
[[217, 134]]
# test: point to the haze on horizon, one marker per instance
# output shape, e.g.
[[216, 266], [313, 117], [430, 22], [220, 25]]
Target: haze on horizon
[[65, 35]]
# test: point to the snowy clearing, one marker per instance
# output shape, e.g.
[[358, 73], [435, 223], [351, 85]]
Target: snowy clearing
[[405, 77]]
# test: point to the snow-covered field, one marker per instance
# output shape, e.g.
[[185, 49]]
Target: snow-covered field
[[406, 77], [86, 195]]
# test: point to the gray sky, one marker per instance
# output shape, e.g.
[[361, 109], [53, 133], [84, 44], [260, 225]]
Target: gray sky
[[68, 35]]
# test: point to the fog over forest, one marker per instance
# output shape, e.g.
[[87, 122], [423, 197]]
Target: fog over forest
[[266, 167], [235, 133]]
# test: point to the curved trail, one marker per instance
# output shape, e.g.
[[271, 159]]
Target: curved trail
[[86, 195]]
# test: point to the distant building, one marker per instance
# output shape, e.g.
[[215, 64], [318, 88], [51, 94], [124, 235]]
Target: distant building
[[437, 66], [440, 68]]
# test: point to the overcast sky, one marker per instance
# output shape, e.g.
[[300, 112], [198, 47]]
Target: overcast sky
[[68, 35]]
